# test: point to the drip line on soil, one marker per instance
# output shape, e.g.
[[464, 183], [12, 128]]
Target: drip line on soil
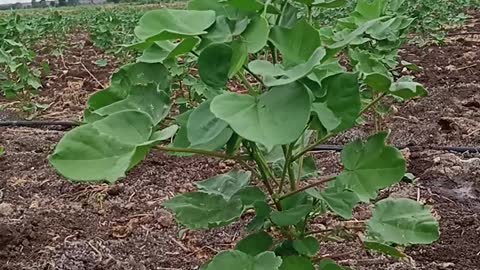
[[460, 149], [24, 123], [320, 148]]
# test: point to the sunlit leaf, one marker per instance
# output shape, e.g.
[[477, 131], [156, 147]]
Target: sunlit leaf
[[167, 24], [370, 166], [255, 244], [199, 210], [403, 221], [275, 117]]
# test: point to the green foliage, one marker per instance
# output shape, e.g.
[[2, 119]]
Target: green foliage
[[269, 87]]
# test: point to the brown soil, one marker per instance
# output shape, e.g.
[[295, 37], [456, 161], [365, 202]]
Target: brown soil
[[49, 223]]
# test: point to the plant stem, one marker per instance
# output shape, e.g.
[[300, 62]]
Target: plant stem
[[287, 153], [373, 103], [282, 11], [291, 177], [300, 161], [263, 175], [323, 180], [245, 82], [312, 146]]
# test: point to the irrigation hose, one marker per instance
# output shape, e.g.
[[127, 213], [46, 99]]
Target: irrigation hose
[[320, 148]]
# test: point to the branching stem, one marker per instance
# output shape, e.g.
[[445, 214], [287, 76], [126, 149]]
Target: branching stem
[[323, 180]]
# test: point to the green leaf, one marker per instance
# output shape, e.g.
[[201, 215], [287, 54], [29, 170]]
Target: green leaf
[[164, 134], [165, 24], [340, 200], [146, 99], [327, 264], [214, 64], [262, 211], [378, 82], [237, 260], [291, 216], [407, 89], [102, 150], [239, 57], [290, 16], [352, 36], [159, 51], [403, 222], [297, 44], [225, 185], [308, 246], [198, 210], [246, 5], [123, 81], [275, 75], [342, 101], [385, 249], [256, 34], [203, 126], [255, 244], [371, 9], [275, 117], [2, 150], [328, 119], [371, 166], [296, 263], [250, 195]]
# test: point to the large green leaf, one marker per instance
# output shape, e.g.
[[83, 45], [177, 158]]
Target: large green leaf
[[124, 79], [339, 109], [225, 185], [275, 75], [296, 263], [250, 195], [403, 221], [378, 82], [255, 243], [256, 34], [203, 126], [214, 64], [407, 89], [308, 246], [146, 99], [291, 216], [161, 50], [297, 44], [275, 117], [371, 9], [239, 57], [165, 24], [102, 150], [199, 210], [371, 166], [340, 200], [237, 260]]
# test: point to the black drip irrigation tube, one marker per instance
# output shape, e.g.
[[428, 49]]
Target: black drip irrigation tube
[[415, 148], [320, 148]]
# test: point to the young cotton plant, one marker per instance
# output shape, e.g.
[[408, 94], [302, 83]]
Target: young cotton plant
[[297, 97]]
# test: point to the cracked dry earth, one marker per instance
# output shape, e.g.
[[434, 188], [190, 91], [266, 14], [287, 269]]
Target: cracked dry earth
[[48, 223]]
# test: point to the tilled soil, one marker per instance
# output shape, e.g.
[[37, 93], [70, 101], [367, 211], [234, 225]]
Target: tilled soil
[[49, 223]]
